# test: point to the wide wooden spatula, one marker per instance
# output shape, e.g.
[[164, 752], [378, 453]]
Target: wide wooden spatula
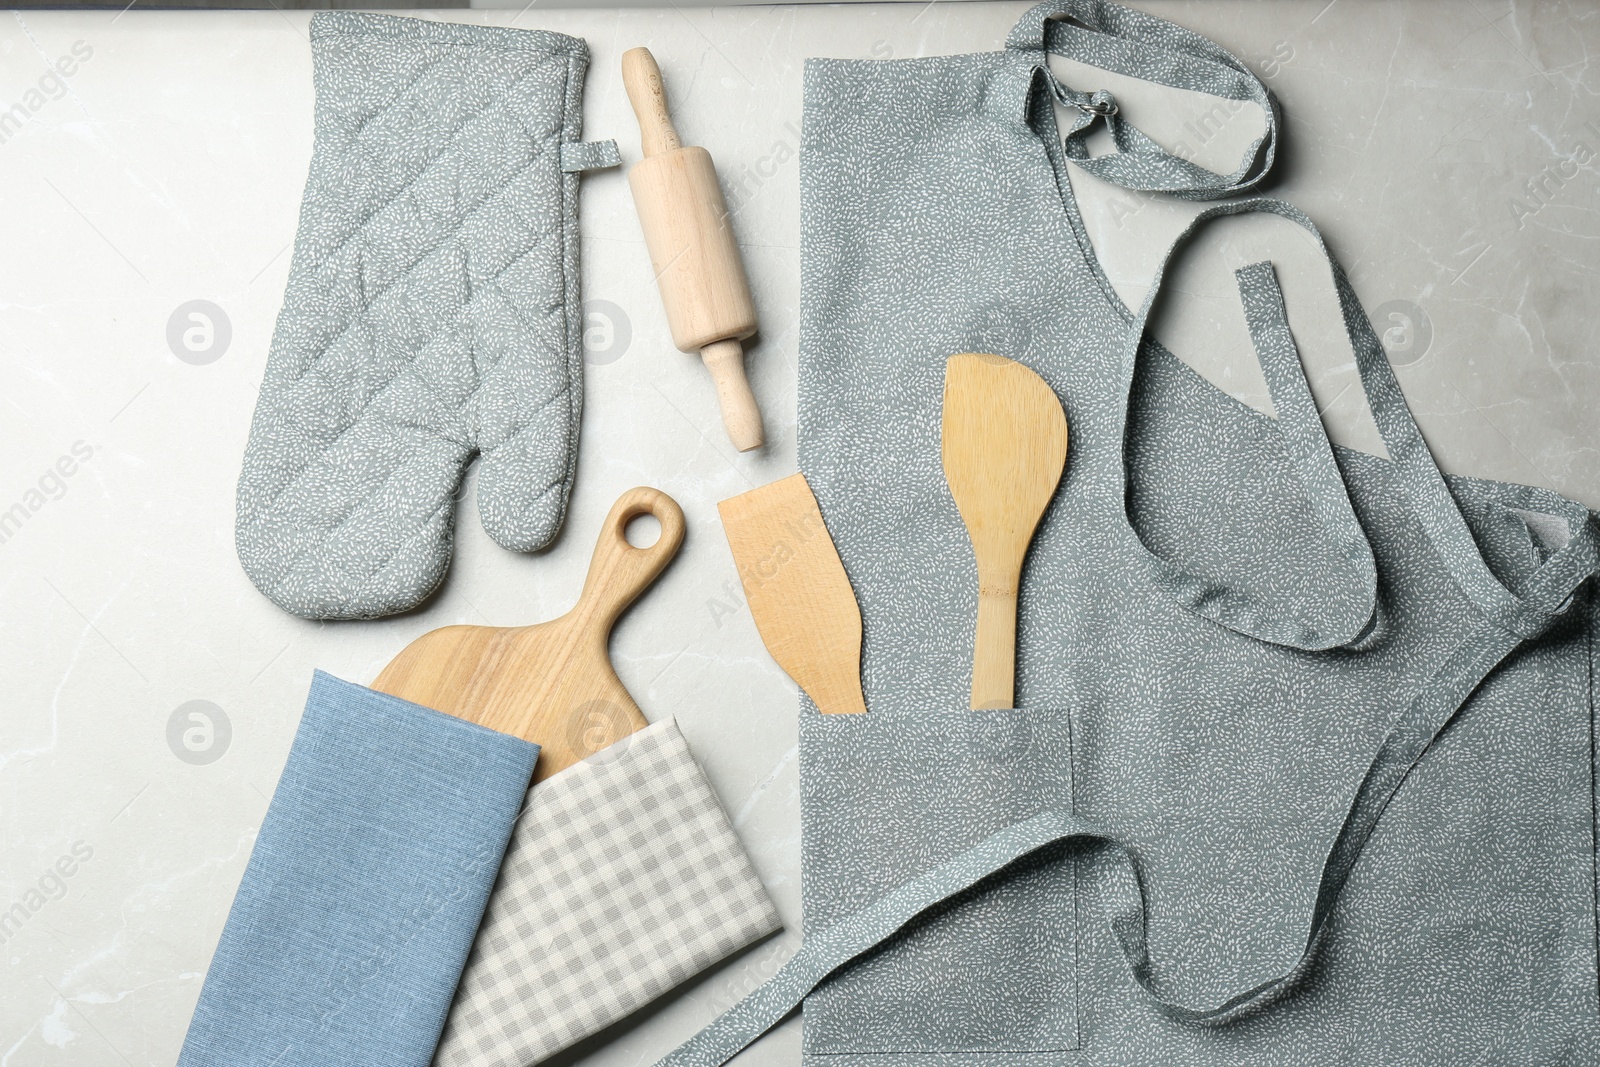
[[553, 683], [797, 590], [1005, 448]]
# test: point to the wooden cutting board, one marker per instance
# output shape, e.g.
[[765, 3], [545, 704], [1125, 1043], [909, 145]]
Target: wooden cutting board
[[552, 683]]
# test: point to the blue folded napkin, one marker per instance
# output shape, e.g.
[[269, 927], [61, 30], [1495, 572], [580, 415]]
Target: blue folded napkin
[[365, 889]]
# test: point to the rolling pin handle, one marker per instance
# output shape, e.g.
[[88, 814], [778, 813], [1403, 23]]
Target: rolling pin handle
[[741, 416], [648, 94]]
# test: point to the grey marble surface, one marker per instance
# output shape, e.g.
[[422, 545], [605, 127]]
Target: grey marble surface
[[1448, 148]]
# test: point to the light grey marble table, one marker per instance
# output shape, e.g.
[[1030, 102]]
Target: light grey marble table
[[1448, 148]]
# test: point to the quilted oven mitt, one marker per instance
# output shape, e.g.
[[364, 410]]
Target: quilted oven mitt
[[432, 314], [623, 879]]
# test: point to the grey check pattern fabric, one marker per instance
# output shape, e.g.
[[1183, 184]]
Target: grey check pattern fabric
[[623, 879]]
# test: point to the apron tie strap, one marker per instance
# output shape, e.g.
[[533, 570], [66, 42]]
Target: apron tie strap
[[1114, 872]]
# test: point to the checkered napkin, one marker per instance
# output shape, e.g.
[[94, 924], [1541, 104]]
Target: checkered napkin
[[623, 879]]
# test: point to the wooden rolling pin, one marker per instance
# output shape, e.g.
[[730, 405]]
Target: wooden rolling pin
[[696, 262]]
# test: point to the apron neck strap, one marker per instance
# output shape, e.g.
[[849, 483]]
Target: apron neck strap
[[1124, 41]]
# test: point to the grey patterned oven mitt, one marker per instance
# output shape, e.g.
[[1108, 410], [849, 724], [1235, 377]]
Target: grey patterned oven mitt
[[432, 314], [623, 878]]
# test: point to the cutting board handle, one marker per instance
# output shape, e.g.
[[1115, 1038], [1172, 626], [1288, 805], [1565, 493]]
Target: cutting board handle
[[619, 572]]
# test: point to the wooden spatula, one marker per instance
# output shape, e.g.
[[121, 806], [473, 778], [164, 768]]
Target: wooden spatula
[[553, 683], [797, 590], [1005, 448]]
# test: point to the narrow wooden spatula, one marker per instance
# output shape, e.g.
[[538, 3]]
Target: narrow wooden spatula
[[553, 683], [797, 590], [1005, 448]]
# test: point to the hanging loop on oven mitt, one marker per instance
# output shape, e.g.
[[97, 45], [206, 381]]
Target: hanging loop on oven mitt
[[367, 882], [432, 314], [1125, 41], [622, 880]]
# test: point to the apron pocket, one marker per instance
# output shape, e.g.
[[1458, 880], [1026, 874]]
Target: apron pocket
[[887, 796]]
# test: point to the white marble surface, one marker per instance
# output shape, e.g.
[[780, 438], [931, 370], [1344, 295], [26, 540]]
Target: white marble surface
[[1449, 149]]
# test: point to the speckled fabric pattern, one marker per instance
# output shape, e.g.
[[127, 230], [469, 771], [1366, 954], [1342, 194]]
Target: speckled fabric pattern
[[956, 778], [622, 880], [1331, 716], [1131, 42], [432, 314]]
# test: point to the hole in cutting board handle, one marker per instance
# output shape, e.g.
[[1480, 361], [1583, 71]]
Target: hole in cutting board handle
[[642, 531], [621, 570]]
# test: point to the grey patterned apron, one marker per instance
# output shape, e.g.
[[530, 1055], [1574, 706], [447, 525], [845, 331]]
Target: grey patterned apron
[[1302, 768]]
